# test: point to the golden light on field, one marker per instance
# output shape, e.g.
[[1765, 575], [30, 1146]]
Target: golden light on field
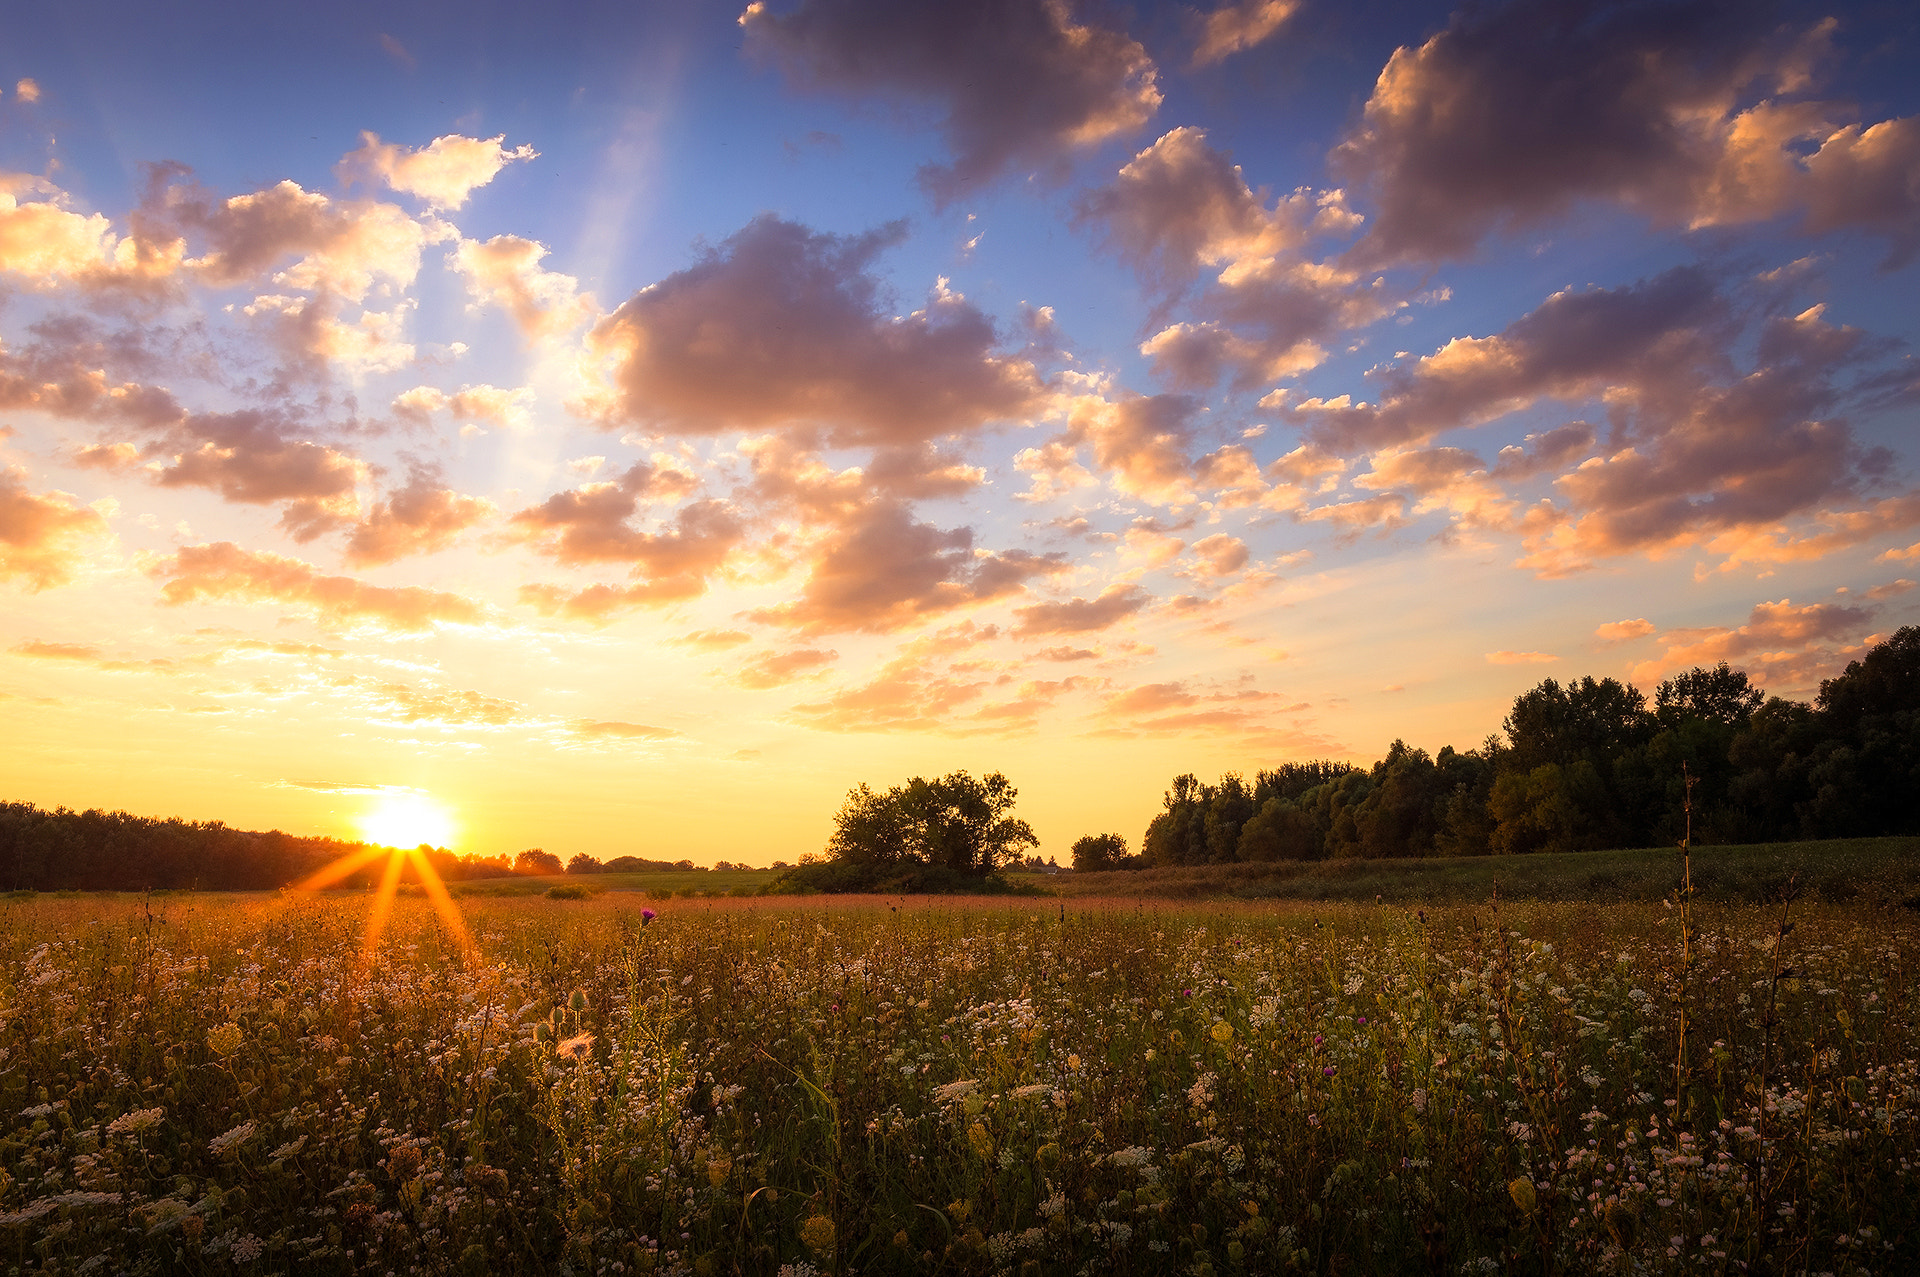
[[402, 818], [401, 825]]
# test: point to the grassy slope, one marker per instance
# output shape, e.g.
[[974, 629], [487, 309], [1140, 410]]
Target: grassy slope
[[673, 882], [1878, 870]]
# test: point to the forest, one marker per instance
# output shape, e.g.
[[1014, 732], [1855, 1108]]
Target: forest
[[1580, 767]]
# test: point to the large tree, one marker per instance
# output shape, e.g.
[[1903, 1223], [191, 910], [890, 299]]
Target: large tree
[[956, 822]]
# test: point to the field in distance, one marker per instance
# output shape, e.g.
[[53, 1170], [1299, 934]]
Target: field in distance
[[1869, 870]]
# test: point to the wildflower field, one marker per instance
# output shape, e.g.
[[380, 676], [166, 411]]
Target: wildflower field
[[194, 1084]]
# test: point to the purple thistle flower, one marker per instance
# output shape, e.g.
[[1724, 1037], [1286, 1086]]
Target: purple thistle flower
[[646, 916]]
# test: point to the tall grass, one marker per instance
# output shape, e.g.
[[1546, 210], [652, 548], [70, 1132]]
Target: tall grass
[[1028, 1087]]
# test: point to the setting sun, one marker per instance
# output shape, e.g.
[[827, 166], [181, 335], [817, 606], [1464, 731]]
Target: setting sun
[[404, 819]]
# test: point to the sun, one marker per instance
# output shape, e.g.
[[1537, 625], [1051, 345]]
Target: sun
[[397, 829], [404, 819]]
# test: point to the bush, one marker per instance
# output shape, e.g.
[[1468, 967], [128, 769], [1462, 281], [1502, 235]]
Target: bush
[[568, 891]]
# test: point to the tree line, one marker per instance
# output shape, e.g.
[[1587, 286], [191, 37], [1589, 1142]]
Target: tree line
[[65, 850], [1583, 766]]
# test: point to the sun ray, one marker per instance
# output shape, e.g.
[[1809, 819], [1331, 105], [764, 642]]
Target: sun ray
[[340, 868], [382, 903], [443, 904]]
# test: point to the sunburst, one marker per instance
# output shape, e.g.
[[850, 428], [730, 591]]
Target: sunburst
[[401, 827]]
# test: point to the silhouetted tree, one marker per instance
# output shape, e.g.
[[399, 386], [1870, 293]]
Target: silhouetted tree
[[581, 863], [956, 822], [535, 861], [1096, 852]]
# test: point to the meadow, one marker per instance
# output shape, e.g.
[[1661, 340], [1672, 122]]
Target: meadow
[[228, 1084]]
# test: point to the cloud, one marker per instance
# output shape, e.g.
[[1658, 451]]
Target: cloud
[[591, 524], [1140, 441], [923, 689], [1240, 25], [1180, 205], [777, 669], [1783, 647], [1021, 83], [311, 331], [341, 247], [619, 730], [1624, 631], [1520, 658], [222, 570], [443, 173], [27, 89], [1889, 589], [1513, 115], [501, 407], [783, 326], [421, 518], [247, 457], [882, 570], [37, 650], [1270, 312], [713, 640], [1082, 616], [43, 535], [1220, 555], [1572, 346], [505, 271]]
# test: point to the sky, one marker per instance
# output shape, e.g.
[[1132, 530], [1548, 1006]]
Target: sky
[[623, 429]]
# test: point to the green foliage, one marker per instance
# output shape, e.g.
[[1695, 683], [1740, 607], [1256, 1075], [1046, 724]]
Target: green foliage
[[1097, 852], [955, 823], [1589, 765], [534, 862]]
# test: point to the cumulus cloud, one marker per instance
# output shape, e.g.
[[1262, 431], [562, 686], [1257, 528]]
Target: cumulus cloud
[[1624, 631], [784, 326], [443, 173], [247, 457], [1220, 555], [222, 570], [492, 404], [1271, 310], [505, 271], [340, 247], [777, 669], [420, 518], [1572, 346], [1082, 616], [43, 535], [713, 640], [882, 570], [1786, 648], [1520, 658], [1020, 82], [1180, 205], [1514, 114], [589, 524], [311, 331], [1240, 25], [671, 565], [1142, 442]]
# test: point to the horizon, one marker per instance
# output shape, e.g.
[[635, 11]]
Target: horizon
[[626, 432]]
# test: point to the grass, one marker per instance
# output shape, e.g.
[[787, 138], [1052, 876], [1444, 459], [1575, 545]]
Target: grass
[[1875, 870], [661, 885], [205, 1084]]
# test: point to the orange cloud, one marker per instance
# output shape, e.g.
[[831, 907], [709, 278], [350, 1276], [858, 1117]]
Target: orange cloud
[[1514, 114], [1240, 25], [222, 570], [1624, 631], [777, 669], [1785, 647], [1520, 658], [505, 271], [713, 640], [1082, 616], [420, 518], [469, 403], [1022, 83], [882, 570], [43, 535], [784, 326], [443, 173]]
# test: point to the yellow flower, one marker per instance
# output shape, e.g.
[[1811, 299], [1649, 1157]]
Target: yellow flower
[[981, 1141], [718, 1169], [1073, 1062], [226, 1039], [817, 1233], [1521, 1191], [1222, 1033]]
